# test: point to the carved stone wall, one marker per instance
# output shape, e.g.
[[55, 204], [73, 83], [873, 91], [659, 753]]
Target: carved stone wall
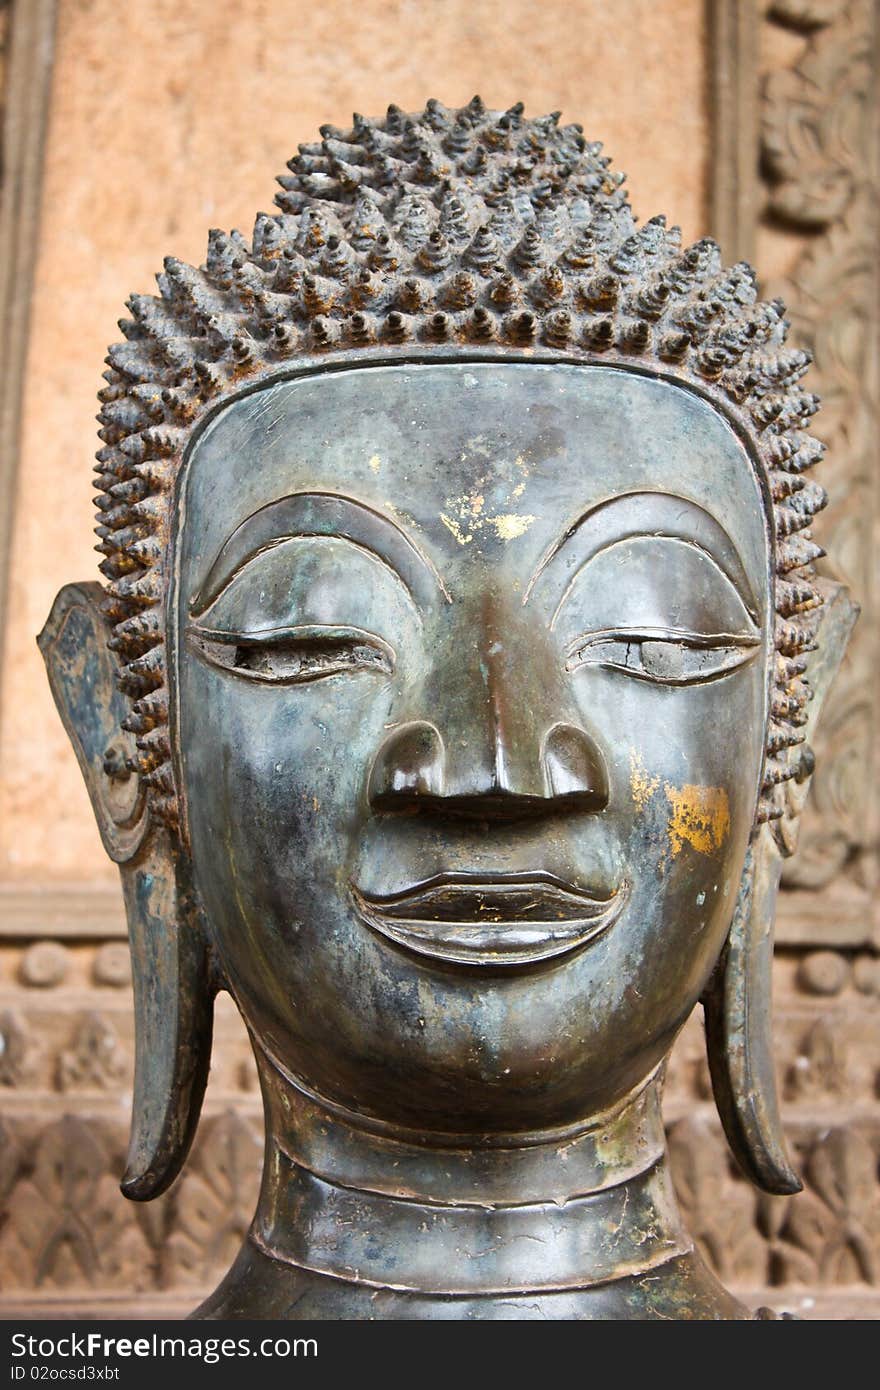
[[819, 191], [794, 186]]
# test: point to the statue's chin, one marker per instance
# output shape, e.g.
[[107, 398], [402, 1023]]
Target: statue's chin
[[527, 1094]]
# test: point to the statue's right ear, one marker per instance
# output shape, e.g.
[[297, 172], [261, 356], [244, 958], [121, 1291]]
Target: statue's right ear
[[82, 673], [173, 986]]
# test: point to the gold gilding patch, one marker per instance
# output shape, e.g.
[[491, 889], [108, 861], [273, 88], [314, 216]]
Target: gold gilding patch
[[700, 817], [642, 786], [510, 525], [453, 526], [465, 516]]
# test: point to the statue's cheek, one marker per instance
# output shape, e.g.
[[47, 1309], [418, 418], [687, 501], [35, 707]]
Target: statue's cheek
[[684, 762]]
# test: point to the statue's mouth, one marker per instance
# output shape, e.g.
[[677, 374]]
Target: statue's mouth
[[503, 920]]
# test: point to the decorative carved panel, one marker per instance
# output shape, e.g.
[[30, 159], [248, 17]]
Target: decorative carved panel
[[818, 188], [804, 204]]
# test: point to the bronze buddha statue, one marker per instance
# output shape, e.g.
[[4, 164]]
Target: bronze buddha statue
[[453, 714]]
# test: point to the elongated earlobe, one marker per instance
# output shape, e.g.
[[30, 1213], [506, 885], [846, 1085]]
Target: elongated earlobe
[[737, 1004], [172, 979], [174, 1007], [739, 1028]]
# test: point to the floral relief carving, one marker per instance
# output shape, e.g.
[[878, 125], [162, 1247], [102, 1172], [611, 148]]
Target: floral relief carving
[[18, 1049], [719, 1209], [214, 1202], [830, 1233], [66, 1225], [819, 153], [819, 1066], [817, 122], [95, 1059], [826, 1236]]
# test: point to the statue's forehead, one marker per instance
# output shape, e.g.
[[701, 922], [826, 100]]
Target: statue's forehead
[[473, 454]]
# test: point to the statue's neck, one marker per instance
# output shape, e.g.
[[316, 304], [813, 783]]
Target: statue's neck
[[388, 1210]]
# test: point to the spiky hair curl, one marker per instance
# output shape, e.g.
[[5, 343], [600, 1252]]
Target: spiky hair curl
[[471, 228]]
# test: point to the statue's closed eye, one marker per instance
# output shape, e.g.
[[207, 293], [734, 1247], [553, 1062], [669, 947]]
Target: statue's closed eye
[[304, 610], [668, 657], [659, 609], [292, 656]]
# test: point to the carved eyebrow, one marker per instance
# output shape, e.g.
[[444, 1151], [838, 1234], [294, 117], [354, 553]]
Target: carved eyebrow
[[322, 514], [640, 514]]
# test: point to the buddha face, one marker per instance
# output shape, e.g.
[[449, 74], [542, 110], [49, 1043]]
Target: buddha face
[[470, 679]]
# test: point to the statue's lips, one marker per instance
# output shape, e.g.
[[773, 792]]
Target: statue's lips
[[509, 919]]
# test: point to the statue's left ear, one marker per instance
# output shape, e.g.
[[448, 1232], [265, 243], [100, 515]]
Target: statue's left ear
[[737, 1003], [173, 984]]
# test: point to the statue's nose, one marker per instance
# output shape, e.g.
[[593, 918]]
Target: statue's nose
[[413, 770], [503, 738]]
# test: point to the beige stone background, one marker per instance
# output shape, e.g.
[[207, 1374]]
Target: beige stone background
[[167, 117]]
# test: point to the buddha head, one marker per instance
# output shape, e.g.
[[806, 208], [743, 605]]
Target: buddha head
[[446, 700]]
